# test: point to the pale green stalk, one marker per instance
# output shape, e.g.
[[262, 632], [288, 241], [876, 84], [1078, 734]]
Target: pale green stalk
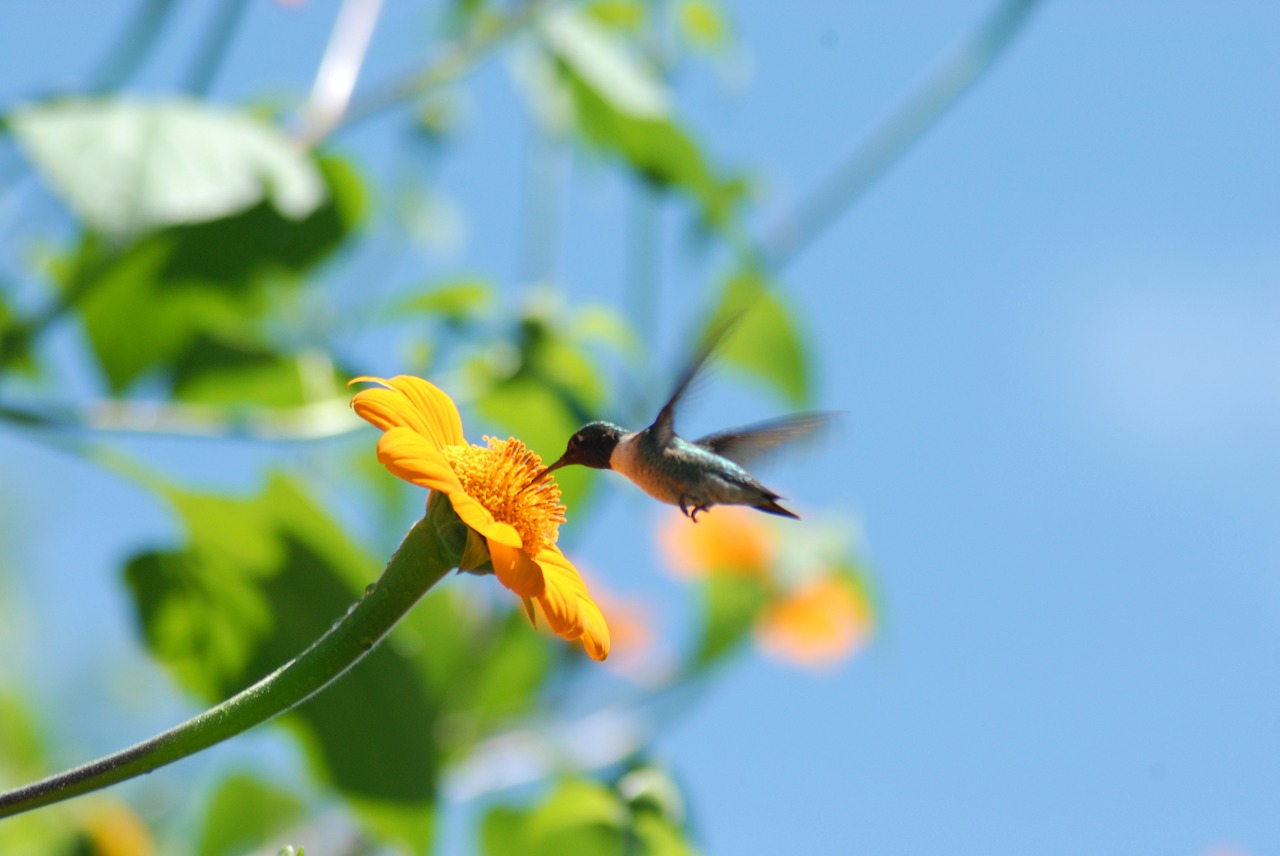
[[430, 550]]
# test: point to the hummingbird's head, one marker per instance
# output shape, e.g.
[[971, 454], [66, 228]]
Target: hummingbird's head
[[591, 446]]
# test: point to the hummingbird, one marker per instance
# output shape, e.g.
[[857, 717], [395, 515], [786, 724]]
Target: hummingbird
[[693, 475]]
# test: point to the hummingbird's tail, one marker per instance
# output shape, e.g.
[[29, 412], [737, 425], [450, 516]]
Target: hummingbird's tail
[[769, 506]]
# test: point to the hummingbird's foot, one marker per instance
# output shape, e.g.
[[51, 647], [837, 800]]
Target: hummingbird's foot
[[683, 508]]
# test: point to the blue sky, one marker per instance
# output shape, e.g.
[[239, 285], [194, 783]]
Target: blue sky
[[1055, 329]]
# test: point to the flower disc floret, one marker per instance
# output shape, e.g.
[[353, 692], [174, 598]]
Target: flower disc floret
[[499, 477]]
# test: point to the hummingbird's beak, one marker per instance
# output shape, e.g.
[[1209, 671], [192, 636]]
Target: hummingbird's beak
[[542, 474]]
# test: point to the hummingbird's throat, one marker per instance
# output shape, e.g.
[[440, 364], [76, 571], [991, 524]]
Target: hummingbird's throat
[[510, 482]]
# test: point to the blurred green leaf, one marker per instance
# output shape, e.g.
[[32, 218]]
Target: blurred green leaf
[[257, 582], [213, 371], [541, 417], [766, 341], [658, 837], [622, 15], [502, 832], [243, 813], [15, 352], [212, 279], [702, 23], [127, 167], [555, 388], [579, 817], [604, 62], [457, 301], [22, 748], [730, 607], [622, 108]]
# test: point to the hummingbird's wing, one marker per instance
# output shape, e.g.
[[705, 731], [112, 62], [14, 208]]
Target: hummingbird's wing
[[663, 427], [743, 445]]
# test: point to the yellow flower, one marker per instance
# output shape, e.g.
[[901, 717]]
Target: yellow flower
[[489, 489]]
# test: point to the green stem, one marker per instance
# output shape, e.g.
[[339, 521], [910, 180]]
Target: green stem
[[428, 552], [134, 46], [950, 79], [218, 38], [454, 61]]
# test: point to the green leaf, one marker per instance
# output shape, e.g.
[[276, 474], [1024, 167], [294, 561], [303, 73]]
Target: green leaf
[[126, 166], [658, 837], [15, 350], [257, 581], [621, 108], [622, 15], [243, 813], [731, 604], [702, 23], [457, 301], [602, 61], [183, 282], [766, 341], [214, 371], [579, 817], [541, 417], [502, 832], [22, 743]]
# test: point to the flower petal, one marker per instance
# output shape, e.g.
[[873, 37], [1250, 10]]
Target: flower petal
[[516, 570], [410, 402], [568, 606], [417, 460]]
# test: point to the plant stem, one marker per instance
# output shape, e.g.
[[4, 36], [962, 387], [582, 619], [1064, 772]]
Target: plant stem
[[218, 38], [450, 64], [424, 557], [134, 46], [950, 79]]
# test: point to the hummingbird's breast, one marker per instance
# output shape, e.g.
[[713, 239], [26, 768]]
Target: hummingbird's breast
[[681, 472], [645, 469]]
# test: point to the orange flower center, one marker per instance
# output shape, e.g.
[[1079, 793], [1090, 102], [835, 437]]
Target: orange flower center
[[500, 477]]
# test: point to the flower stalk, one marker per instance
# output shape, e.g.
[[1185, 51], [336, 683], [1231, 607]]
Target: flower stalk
[[431, 549]]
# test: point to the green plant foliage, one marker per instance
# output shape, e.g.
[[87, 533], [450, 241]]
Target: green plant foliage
[[766, 340], [458, 301], [244, 812], [555, 388], [731, 604], [621, 108], [702, 23], [187, 284], [22, 745], [483, 670], [581, 817], [213, 371], [256, 582], [127, 167]]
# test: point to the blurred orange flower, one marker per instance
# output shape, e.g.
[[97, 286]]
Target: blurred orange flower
[[512, 522], [733, 540], [816, 614], [819, 624], [115, 830]]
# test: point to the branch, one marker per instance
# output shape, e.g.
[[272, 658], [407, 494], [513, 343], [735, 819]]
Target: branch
[[340, 67], [951, 78], [424, 557], [320, 420], [451, 63]]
